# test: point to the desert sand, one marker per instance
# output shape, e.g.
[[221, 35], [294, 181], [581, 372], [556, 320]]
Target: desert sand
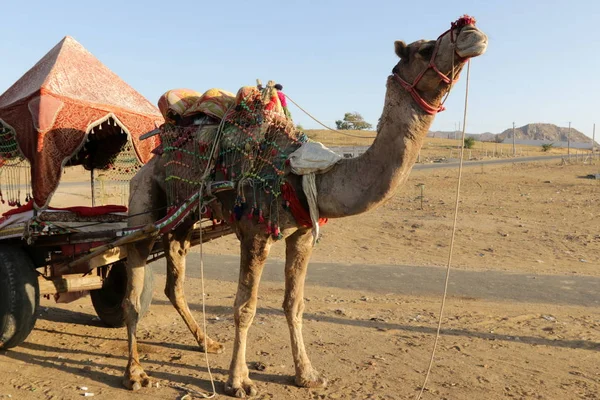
[[524, 219]]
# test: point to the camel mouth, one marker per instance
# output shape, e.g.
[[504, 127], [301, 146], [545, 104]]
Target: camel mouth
[[471, 42]]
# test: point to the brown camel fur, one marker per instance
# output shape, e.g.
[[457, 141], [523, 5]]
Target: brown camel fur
[[352, 187]]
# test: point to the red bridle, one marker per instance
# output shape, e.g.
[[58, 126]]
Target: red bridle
[[411, 88]]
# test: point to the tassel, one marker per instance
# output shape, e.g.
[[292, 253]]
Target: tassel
[[276, 231], [238, 209], [261, 219], [251, 214], [269, 230]]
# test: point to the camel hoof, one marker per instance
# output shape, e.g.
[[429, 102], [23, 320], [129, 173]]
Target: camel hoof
[[247, 389], [311, 380], [135, 378], [212, 347]]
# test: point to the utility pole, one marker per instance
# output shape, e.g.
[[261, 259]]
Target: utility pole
[[593, 139], [514, 149], [569, 140]]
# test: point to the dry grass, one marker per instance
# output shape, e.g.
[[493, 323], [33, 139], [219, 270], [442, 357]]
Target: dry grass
[[438, 148]]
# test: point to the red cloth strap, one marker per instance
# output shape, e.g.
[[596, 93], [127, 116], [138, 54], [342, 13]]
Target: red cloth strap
[[301, 215], [81, 211]]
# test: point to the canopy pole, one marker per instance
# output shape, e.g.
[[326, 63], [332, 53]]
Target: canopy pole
[[92, 185]]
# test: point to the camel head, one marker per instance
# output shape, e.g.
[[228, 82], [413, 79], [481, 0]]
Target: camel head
[[427, 69]]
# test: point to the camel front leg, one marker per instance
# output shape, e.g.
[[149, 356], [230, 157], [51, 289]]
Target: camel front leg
[[177, 244], [298, 250], [137, 254], [254, 252]]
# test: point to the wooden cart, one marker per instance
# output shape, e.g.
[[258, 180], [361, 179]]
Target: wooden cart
[[64, 254]]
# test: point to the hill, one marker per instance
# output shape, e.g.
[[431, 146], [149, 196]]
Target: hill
[[546, 132], [530, 132], [536, 131]]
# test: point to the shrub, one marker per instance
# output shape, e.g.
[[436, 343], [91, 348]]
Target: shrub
[[469, 142], [547, 146]]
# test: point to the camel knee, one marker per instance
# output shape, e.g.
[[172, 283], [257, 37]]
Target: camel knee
[[174, 293], [244, 316], [293, 309], [131, 309]]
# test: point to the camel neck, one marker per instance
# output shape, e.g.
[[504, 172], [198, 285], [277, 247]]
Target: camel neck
[[357, 185]]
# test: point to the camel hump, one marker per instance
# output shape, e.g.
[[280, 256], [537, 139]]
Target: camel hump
[[187, 102]]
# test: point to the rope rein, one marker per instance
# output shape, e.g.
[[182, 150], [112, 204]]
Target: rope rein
[[212, 381], [452, 239], [325, 126], [212, 154]]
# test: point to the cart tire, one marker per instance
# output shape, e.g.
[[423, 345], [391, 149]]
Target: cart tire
[[19, 296], [108, 301]]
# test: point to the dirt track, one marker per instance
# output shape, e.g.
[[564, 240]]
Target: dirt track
[[529, 224], [371, 345]]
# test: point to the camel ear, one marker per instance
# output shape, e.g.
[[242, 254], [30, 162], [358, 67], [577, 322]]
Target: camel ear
[[401, 49]]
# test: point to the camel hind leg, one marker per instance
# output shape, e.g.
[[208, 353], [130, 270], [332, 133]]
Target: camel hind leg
[[140, 202], [176, 245], [298, 250], [137, 254], [254, 252]]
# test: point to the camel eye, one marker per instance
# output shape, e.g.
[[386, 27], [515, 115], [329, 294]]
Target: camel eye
[[426, 51]]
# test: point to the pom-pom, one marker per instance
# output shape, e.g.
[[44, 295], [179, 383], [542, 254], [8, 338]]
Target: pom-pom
[[464, 20]]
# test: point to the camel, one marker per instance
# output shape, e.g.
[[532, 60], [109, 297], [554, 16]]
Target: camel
[[414, 94]]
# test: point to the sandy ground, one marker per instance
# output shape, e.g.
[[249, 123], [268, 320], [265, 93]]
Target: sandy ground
[[538, 218], [370, 345], [521, 218]]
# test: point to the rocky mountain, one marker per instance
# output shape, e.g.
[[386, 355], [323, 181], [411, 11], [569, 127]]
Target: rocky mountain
[[537, 131], [546, 132]]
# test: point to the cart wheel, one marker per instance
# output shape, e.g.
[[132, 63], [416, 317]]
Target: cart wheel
[[19, 296], [108, 300]]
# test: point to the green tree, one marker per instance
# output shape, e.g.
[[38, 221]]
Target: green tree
[[353, 121], [469, 142], [547, 147]]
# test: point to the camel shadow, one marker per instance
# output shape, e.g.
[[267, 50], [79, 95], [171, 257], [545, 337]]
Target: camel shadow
[[168, 345], [76, 317], [87, 368], [517, 338], [54, 314]]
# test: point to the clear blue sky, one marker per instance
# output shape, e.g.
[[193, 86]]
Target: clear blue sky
[[542, 64]]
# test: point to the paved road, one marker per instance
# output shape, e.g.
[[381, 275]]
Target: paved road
[[417, 167], [490, 162], [424, 281]]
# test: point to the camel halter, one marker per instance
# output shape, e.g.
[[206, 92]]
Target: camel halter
[[411, 88]]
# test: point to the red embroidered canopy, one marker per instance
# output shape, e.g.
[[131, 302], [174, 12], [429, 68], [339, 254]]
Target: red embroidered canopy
[[58, 102]]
